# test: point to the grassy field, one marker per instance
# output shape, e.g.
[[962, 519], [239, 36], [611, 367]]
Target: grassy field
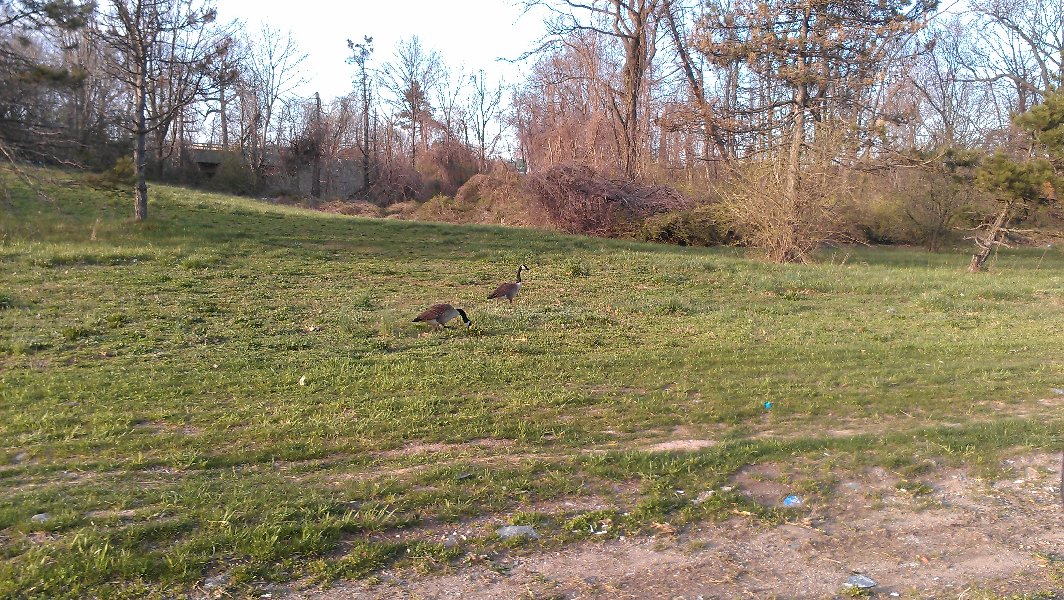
[[236, 388]]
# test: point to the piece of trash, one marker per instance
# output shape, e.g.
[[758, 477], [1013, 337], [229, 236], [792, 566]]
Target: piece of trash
[[216, 581], [517, 531], [726, 488], [706, 495], [303, 380], [768, 405], [1057, 391], [895, 594], [861, 582], [463, 476], [40, 517], [792, 500]]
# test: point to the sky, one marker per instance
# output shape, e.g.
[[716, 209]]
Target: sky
[[473, 33]]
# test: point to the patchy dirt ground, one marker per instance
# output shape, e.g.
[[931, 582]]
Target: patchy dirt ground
[[953, 537]]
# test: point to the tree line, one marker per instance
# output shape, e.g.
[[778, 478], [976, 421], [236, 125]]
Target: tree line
[[800, 121]]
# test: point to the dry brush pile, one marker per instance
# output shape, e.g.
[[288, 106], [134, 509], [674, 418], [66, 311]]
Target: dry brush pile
[[577, 199]]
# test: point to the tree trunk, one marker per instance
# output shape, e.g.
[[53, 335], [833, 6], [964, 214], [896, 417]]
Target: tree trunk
[[160, 144], [315, 178], [224, 117], [179, 143], [413, 143], [710, 132], [791, 247], [638, 47], [365, 135], [140, 158], [987, 244]]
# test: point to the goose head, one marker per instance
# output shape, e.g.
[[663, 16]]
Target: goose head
[[465, 318]]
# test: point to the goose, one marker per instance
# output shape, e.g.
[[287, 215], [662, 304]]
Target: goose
[[510, 289], [439, 314]]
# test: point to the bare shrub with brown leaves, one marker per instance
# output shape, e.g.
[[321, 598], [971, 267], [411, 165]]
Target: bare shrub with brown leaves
[[497, 198], [394, 181], [578, 199], [356, 208], [444, 168], [791, 229]]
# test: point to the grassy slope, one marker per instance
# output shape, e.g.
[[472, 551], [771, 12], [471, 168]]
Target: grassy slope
[[150, 398]]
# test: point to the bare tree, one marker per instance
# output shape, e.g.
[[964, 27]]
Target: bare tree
[[360, 54], [153, 39], [710, 122], [562, 114], [633, 24], [318, 130], [451, 115], [95, 105], [223, 76], [939, 188], [188, 58], [412, 77], [940, 106], [484, 107], [1020, 42], [271, 72]]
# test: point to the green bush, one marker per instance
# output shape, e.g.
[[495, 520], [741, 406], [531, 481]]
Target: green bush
[[234, 176], [443, 208], [121, 176], [884, 221], [700, 226]]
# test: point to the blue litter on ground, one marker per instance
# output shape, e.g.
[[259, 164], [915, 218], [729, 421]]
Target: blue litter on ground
[[861, 582]]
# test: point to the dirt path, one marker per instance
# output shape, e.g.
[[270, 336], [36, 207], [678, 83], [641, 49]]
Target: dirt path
[[962, 538]]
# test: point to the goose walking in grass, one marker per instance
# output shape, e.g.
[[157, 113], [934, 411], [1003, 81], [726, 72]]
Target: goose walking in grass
[[439, 314], [510, 289]]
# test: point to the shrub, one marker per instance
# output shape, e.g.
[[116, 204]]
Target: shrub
[[401, 210], [700, 226], [444, 168], [441, 208], [234, 176], [357, 208], [121, 176], [578, 199], [882, 220], [496, 198], [789, 226], [393, 181]]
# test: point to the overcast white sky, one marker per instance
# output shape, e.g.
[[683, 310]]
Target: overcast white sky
[[470, 32]]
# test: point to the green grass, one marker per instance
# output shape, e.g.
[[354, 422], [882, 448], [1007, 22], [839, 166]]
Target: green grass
[[150, 396]]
